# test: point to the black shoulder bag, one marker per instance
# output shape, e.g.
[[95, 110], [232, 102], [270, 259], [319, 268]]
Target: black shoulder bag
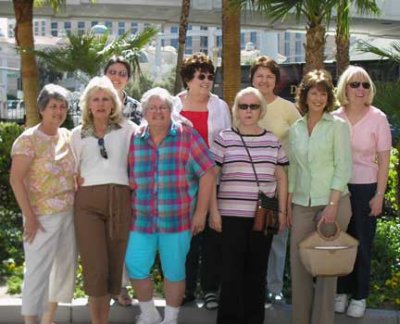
[[267, 211]]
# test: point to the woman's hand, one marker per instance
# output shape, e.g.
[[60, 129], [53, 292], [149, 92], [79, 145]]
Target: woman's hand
[[376, 204], [31, 226], [198, 223], [328, 214], [215, 221], [282, 222]]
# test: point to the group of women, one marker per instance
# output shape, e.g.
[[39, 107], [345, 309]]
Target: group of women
[[323, 166]]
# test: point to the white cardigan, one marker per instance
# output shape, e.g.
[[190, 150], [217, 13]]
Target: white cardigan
[[219, 116]]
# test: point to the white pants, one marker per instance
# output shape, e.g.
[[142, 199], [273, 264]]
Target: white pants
[[50, 264], [276, 262]]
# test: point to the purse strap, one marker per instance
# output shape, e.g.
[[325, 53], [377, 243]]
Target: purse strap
[[251, 160]]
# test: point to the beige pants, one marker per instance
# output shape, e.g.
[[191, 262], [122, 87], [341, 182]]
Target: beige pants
[[312, 303]]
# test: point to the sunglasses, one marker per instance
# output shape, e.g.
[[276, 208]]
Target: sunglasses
[[355, 85], [251, 106], [103, 151], [202, 77], [122, 74]]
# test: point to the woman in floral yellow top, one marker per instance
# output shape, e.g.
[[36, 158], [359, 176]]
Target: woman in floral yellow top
[[42, 178]]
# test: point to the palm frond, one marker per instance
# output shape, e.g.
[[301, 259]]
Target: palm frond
[[392, 53]]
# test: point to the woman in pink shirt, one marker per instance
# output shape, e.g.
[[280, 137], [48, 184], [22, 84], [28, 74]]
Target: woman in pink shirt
[[371, 142]]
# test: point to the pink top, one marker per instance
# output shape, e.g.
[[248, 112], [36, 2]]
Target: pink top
[[371, 134]]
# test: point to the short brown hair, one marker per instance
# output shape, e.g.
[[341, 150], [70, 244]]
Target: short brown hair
[[316, 78], [197, 61], [265, 62], [118, 59]]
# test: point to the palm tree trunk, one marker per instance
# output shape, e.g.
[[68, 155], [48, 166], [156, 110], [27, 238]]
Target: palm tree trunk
[[24, 39], [230, 51], [182, 40], [314, 47], [342, 37]]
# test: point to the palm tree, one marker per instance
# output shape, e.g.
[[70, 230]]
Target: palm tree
[[23, 10], [181, 43], [86, 54], [342, 37], [318, 15], [230, 51]]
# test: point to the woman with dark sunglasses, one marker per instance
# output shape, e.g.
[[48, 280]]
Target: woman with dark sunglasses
[[208, 114], [245, 250], [281, 114], [119, 71], [102, 202], [371, 143]]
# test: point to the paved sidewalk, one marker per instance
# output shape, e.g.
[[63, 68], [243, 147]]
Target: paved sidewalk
[[78, 313]]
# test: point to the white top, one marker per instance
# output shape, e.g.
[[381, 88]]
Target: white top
[[92, 167], [219, 116]]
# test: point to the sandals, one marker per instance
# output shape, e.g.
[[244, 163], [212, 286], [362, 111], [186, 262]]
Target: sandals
[[123, 299], [211, 301]]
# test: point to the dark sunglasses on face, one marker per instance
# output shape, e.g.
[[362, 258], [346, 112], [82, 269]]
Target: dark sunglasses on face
[[251, 106], [202, 77], [122, 74], [103, 151], [355, 85]]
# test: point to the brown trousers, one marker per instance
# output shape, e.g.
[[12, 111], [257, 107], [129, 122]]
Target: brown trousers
[[102, 220], [312, 303]]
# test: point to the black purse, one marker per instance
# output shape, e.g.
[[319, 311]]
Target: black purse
[[266, 218]]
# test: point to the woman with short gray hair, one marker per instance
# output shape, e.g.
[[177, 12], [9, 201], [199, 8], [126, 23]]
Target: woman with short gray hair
[[42, 178]]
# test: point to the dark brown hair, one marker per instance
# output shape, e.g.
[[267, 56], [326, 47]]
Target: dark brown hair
[[265, 62], [317, 78], [118, 59], [197, 61]]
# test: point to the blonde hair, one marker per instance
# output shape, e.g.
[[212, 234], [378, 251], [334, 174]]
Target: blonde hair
[[95, 84], [353, 72], [244, 92]]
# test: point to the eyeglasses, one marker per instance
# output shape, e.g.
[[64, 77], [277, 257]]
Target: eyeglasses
[[202, 77], [122, 74], [103, 151], [247, 106], [161, 108], [355, 85]]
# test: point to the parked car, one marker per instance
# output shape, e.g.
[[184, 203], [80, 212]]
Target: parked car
[[13, 110]]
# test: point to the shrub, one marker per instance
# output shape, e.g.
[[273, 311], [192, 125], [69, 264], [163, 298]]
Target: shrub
[[11, 252]]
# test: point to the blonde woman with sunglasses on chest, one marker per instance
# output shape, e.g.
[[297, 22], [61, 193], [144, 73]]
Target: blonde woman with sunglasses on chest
[[371, 142], [102, 202], [208, 114]]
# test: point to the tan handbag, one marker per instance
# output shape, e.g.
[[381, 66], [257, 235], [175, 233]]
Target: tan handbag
[[328, 256]]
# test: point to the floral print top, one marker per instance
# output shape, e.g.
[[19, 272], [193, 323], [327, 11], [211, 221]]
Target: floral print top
[[50, 179]]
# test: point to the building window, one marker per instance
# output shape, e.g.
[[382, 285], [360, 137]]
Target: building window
[[134, 28], [298, 46], [189, 45], [81, 27], [93, 23], [108, 24], [253, 37], [203, 28], [242, 40], [36, 27], [204, 44], [189, 27], [174, 29], [54, 29], [121, 28], [287, 45], [174, 42], [67, 27], [219, 41], [43, 28]]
